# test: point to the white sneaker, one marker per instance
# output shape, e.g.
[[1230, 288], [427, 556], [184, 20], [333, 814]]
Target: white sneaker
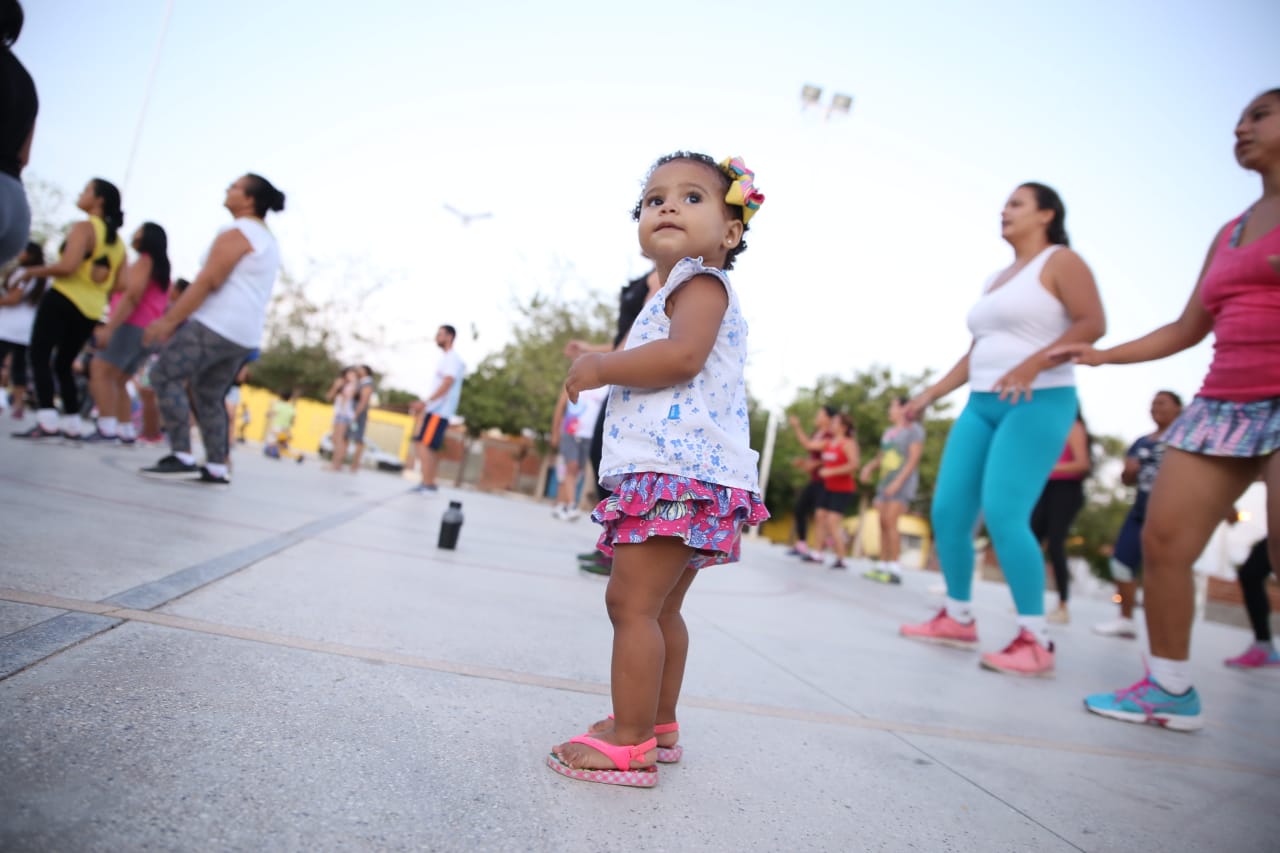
[[1121, 627], [572, 514]]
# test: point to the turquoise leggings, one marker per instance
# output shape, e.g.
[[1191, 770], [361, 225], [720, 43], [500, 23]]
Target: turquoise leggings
[[997, 460]]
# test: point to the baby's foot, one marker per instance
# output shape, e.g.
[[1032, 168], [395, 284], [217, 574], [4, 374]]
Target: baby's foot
[[666, 740], [580, 756]]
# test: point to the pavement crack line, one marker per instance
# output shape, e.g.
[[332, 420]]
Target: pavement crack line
[[86, 620], [118, 614]]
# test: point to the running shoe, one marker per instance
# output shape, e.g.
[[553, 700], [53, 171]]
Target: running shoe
[[37, 432], [1120, 627], [1148, 702], [210, 479], [1257, 655], [96, 437], [839, 564], [171, 467], [882, 576], [1024, 656], [423, 489], [1060, 615], [943, 630]]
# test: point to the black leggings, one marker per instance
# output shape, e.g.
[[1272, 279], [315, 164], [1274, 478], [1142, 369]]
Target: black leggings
[[806, 504], [597, 453], [17, 364], [1253, 584], [1060, 503], [59, 333]]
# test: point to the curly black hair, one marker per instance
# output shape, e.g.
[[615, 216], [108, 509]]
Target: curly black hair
[[725, 183]]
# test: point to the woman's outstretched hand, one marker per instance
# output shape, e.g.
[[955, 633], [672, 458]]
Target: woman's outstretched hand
[[1080, 353], [916, 405], [584, 374]]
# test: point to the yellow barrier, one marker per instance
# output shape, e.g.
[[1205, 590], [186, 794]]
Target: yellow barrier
[[391, 431]]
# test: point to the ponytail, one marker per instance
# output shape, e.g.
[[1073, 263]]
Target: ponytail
[[34, 254], [1048, 199], [265, 196], [112, 215]]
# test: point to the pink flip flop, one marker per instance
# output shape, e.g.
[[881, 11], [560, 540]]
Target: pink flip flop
[[622, 758], [666, 754]]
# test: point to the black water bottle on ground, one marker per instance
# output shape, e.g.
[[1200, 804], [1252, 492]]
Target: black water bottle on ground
[[451, 525]]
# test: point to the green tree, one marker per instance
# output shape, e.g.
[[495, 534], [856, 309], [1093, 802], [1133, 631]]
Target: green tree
[[866, 397], [516, 388]]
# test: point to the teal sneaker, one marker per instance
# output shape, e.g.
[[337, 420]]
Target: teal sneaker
[[1148, 702]]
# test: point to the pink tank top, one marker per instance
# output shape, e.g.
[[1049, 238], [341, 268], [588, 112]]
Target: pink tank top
[[1242, 292], [1067, 456], [149, 308]]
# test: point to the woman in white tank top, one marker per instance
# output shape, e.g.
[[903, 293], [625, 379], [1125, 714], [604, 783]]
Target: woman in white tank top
[[1004, 444]]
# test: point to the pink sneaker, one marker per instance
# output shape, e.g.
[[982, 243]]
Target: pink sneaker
[[1024, 656], [1257, 655], [943, 630]]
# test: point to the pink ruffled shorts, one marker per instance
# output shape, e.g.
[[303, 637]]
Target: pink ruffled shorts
[[708, 517]]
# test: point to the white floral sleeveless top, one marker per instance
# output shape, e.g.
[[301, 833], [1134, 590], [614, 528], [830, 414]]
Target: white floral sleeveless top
[[698, 429]]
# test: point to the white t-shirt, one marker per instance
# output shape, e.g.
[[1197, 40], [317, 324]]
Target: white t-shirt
[[697, 429], [238, 309], [16, 320], [1013, 322], [450, 365]]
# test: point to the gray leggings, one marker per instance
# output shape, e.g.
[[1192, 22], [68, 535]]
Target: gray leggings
[[200, 361]]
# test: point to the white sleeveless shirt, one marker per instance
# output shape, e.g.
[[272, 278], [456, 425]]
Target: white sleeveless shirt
[[698, 429], [1014, 321], [238, 309]]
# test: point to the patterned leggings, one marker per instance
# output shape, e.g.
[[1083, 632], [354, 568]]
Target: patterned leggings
[[201, 360]]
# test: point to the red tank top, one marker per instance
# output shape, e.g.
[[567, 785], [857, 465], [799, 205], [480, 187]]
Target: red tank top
[[832, 455], [1242, 292]]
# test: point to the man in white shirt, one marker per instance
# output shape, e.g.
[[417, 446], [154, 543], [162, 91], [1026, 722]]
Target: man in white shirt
[[438, 408]]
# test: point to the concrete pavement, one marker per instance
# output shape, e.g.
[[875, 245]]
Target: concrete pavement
[[291, 664]]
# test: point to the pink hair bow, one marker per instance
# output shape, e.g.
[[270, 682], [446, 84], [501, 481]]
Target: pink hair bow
[[741, 191]]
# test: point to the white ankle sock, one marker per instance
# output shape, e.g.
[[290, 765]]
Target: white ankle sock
[[107, 426], [71, 424], [1038, 628], [1172, 675], [127, 430], [961, 611], [47, 419], [184, 458], [216, 469]]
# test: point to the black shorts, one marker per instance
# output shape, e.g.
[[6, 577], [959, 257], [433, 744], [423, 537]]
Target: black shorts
[[835, 501], [432, 431]]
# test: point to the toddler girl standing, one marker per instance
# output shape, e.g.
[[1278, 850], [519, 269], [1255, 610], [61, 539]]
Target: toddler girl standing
[[676, 456]]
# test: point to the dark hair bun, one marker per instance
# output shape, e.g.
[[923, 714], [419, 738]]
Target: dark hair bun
[[10, 21], [276, 202]]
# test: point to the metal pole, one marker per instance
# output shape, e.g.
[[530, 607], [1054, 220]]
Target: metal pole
[[146, 95], [766, 457]]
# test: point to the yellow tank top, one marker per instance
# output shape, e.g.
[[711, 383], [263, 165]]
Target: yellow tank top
[[86, 294]]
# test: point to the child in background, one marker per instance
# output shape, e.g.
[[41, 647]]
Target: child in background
[[18, 301], [677, 457], [280, 428]]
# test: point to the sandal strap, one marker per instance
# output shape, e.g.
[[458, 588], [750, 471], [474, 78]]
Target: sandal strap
[[621, 756], [662, 728]]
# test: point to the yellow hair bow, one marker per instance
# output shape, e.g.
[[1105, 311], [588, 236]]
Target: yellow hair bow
[[741, 191]]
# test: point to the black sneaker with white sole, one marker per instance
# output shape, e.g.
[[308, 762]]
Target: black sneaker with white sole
[[37, 432], [171, 467], [210, 479]]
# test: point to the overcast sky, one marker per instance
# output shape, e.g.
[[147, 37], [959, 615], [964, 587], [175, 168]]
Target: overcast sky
[[879, 228]]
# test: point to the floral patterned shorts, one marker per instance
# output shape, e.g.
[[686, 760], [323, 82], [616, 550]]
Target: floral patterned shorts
[[708, 517], [1222, 428]]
